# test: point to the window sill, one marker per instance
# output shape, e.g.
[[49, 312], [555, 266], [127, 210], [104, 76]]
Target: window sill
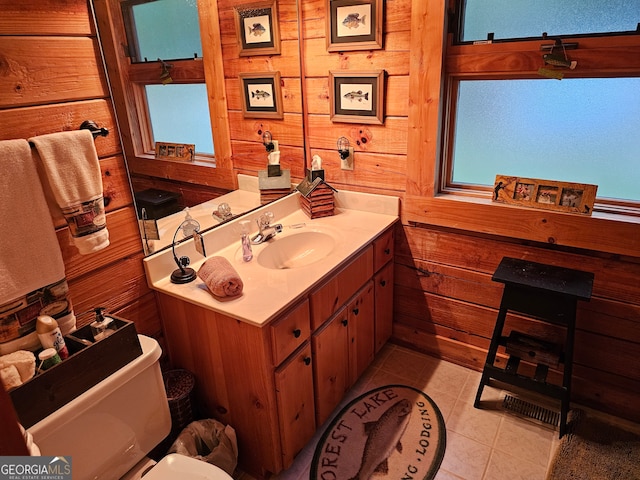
[[604, 232], [198, 171]]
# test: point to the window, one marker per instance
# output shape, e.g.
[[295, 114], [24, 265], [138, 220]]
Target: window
[[509, 19], [503, 117], [167, 75]]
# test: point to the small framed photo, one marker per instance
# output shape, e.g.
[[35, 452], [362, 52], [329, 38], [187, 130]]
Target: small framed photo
[[261, 95], [183, 152], [354, 25], [257, 26], [545, 194], [357, 97]]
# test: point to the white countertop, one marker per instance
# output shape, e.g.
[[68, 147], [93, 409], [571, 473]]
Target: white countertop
[[358, 219]]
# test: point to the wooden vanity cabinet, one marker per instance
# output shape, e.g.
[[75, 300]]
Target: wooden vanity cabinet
[[276, 384]]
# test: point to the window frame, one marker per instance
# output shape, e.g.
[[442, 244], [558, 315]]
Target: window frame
[[599, 56], [424, 206], [128, 79]]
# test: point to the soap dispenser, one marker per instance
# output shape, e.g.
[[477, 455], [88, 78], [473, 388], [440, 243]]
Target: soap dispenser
[[103, 326], [247, 254]]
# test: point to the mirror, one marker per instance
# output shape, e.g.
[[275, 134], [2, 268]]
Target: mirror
[[162, 189]]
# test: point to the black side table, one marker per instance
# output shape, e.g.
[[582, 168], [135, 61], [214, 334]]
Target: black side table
[[550, 294]]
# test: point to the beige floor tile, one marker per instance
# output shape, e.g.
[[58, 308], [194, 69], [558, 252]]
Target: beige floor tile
[[465, 457], [476, 424], [503, 466], [525, 440]]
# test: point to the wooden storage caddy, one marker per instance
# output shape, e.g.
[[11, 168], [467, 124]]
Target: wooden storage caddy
[[86, 366]]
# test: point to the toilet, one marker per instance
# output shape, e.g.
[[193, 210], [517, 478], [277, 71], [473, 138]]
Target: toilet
[[109, 429]]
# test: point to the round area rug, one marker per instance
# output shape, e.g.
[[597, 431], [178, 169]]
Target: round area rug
[[391, 432]]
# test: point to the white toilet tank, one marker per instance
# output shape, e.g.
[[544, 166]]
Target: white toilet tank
[[113, 425]]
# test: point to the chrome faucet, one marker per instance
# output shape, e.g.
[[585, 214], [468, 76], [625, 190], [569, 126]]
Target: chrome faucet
[[266, 231]]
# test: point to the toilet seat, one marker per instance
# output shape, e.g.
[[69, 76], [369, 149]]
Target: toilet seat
[[185, 468]]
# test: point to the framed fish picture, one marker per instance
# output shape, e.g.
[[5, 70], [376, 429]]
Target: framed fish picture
[[357, 97], [354, 25], [258, 30], [261, 95]]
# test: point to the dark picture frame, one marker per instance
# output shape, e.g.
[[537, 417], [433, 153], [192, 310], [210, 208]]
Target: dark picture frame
[[354, 25], [357, 97], [261, 95], [257, 28]]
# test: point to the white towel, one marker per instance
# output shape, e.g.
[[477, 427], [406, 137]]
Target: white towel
[[70, 164], [30, 255]]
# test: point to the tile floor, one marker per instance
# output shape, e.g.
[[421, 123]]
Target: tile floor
[[482, 444]]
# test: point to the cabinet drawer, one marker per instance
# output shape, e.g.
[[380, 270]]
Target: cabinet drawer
[[383, 249], [332, 295], [289, 332]]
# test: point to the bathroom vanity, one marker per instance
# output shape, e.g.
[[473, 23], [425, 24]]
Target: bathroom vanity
[[276, 361]]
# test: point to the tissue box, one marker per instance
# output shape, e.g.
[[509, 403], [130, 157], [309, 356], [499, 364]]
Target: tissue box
[[86, 366], [317, 198]]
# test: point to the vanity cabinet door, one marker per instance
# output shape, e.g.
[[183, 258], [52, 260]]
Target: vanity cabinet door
[[294, 396], [330, 347], [361, 311], [383, 282]]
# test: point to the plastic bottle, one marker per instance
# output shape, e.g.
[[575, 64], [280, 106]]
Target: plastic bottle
[[103, 325], [247, 254], [50, 335]]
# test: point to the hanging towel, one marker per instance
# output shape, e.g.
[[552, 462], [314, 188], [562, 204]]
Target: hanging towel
[[72, 170], [220, 277], [30, 256]]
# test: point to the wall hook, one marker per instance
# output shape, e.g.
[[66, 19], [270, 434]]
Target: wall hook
[[94, 129]]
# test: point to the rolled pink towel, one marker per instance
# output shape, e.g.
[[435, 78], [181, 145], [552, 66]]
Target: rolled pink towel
[[220, 277]]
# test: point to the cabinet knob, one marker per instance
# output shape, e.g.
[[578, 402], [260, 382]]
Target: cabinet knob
[[307, 360], [383, 283], [387, 251], [356, 311], [297, 332], [345, 322]]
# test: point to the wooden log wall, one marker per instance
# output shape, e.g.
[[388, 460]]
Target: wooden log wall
[[51, 80]]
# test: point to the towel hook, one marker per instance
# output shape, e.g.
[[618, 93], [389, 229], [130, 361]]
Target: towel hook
[[94, 129]]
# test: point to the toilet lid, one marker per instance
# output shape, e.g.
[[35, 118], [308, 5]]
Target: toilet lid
[[185, 468]]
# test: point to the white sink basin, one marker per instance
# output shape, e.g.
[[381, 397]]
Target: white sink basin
[[296, 250]]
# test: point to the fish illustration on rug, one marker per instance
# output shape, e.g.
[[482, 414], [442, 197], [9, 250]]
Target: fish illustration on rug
[[353, 20], [257, 30], [260, 94], [356, 95], [383, 437]]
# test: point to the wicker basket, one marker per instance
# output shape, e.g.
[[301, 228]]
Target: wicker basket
[[179, 387]]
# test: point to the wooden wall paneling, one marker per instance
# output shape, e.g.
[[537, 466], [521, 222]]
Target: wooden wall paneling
[[26, 122], [115, 183], [607, 393], [112, 287], [382, 171], [614, 279], [287, 131], [395, 63], [50, 69], [286, 63], [143, 311], [45, 17], [124, 241], [390, 138], [252, 157]]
